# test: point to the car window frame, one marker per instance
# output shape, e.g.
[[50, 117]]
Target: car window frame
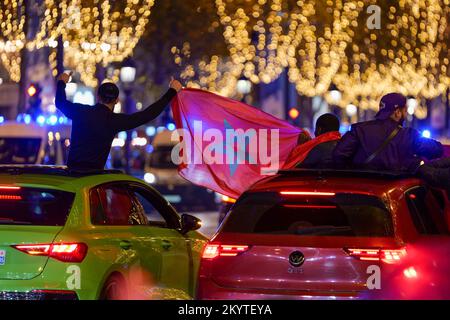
[[417, 217], [164, 207], [112, 184]]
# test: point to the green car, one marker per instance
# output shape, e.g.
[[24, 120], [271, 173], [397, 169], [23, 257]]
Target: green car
[[104, 235]]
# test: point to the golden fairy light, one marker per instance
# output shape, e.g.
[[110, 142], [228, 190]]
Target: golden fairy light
[[260, 36]]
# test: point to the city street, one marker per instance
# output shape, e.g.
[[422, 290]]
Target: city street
[[316, 134]]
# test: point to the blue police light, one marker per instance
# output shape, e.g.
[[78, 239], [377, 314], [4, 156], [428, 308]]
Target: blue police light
[[122, 135], [2, 119], [61, 120], [343, 129], [19, 117], [40, 120], [426, 134], [27, 118], [171, 126], [52, 120], [149, 148], [150, 131]]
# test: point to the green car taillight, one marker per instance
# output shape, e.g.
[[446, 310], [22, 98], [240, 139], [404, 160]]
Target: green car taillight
[[65, 252]]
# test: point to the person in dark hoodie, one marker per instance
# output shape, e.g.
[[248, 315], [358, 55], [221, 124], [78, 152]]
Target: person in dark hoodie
[[384, 144], [94, 127]]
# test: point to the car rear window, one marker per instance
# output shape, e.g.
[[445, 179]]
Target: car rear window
[[347, 215], [34, 206]]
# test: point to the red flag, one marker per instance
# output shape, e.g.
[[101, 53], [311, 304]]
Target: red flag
[[301, 151], [227, 145]]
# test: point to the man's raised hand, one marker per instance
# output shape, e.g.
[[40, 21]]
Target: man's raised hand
[[65, 77], [175, 84]]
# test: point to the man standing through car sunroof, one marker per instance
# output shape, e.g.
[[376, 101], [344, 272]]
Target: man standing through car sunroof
[[94, 127], [383, 143]]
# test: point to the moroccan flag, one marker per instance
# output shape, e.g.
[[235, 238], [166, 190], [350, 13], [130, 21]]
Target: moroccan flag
[[301, 151], [226, 145]]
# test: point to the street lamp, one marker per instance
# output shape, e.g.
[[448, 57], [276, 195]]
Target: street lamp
[[127, 77], [244, 86]]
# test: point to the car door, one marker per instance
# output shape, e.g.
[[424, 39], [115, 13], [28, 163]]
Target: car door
[[162, 237], [114, 214]]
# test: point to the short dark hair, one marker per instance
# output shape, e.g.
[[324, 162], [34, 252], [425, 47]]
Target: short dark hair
[[108, 92], [327, 122]]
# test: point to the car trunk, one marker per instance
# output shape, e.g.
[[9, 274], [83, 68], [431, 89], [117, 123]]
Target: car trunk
[[16, 264], [302, 243], [327, 268], [29, 216]]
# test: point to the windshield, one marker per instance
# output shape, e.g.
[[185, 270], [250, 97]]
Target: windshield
[[19, 150], [34, 206], [347, 215], [160, 158]]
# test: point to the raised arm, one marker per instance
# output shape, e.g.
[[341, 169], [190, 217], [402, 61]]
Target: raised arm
[[123, 122], [69, 109], [426, 147]]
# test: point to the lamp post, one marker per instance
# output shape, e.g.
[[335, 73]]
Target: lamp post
[[127, 77], [244, 86]]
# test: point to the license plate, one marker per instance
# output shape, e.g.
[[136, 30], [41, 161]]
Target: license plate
[[2, 257]]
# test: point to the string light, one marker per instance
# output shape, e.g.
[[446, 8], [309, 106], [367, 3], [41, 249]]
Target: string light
[[94, 32]]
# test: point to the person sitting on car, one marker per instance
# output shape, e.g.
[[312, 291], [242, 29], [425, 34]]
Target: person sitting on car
[[94, 127], [383, 143], [321, 156]]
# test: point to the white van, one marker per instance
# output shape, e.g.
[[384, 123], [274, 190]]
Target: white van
[[159, 167], [22, 143]]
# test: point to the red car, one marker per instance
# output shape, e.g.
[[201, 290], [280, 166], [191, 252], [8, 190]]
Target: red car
[[306, 234]]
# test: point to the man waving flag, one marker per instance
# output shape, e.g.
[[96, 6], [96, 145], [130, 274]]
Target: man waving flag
[[226, 145]]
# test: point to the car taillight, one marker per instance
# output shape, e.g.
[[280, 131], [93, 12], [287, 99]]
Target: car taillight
[[228, 199], [212, 250], [385, 255], [10, 197], [65, 252], [307, 193]]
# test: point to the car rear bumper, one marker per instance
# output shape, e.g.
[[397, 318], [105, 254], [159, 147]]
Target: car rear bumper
[[208, 290]]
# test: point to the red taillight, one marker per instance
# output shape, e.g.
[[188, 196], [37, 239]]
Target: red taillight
[[9, 197], [228, 199], [65, 252], [386, 255], [307, 193], [212, 250], [9, 188]]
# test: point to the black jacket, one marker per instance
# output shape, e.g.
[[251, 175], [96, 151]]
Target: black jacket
[[94, 127], [320, 157], [402, 154]]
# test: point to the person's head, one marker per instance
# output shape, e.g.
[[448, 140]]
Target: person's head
[[108, 94], [392, 106], [327, 122]]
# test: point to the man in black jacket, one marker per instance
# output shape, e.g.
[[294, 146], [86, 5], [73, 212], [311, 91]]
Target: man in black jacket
[[383, 143], [321, 156], [94, 127]]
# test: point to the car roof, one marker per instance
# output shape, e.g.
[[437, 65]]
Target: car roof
[[58, 177], [346, 181]]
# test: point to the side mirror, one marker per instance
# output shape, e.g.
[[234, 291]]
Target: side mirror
[[189, 223]]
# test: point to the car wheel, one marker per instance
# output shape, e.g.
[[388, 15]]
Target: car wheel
[[114, 288]]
